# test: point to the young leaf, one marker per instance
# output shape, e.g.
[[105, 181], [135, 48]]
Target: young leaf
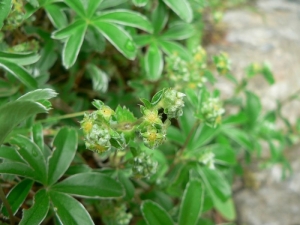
[[19, 72], [69, 210], [118, 37], [99, 78], [126, 18], [179, 31], [38, 95], [17, 195], [191, 206], [267, 73], [90, 185], [21, 59], [32, 154], [181, 8], [65, 144], [72, 46], [11, 114], [69, 30], [159, 17], [37, 213], [5, 7], [154, 62], [154, 214]]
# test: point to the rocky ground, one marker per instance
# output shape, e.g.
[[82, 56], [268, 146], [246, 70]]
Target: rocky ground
[[269, 32]]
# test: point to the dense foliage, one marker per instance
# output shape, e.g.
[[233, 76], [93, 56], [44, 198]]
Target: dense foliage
[[109, 114]]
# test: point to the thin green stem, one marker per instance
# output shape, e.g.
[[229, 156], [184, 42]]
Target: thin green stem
[[67, 116], [7, 206]]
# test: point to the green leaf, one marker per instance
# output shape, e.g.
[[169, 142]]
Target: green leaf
[[239, 136], [90, 185], [154, 214], [215, 183], [77, 6], [126, 18], [109, 3], [5, 7], [69, 30], [11, 114], [10, 154], [99, 78], [118, 37], [267, 73], [159, 17], [127, 184], [20, 58], [192, 201], [174, 134], [18, 169], [65, 144], [140, 3], [37, 213], [154, 62], [92, 7], [226, 208], [253, 108], [38, 136], [69, 210], [56, 15], [19, 72], [72, 46], [38, 95], [171, 47], [17, 195], [142, 40], [179, 31], [181, 8], [32, 154]]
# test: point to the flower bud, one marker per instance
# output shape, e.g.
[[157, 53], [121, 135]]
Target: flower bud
[[144, 166], [173, 103], [211, 111]]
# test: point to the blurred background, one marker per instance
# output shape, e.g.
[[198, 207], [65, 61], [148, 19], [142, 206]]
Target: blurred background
[[266, 31]]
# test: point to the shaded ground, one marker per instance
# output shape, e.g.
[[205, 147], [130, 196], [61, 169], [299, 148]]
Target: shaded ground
[[271, 33]]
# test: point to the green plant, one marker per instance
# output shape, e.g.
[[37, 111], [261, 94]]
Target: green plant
[[165, 145]]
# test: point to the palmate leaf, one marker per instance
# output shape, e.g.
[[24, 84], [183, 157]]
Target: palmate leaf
[[56, 15], [127, 18], [11, 114], [37, 213], [90, 185], [178, 31], [19, 169], [154, 62], [19, 72], [191, 206], [17, 195], [32, 154], [69, 210], [181, 8], [65, 143], [154, 214], [20, 58], [140, 3], [171, 47], [118, 37]]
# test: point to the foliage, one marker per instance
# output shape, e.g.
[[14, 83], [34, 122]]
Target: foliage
[[165, 145]]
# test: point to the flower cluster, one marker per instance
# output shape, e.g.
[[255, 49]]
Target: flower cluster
[[114, 213], [173, 103], [212, 111], [143, 165], [16, 15], [222, 63], [187, 73]]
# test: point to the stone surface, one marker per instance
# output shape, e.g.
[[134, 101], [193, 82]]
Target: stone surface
[[270, 32]]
